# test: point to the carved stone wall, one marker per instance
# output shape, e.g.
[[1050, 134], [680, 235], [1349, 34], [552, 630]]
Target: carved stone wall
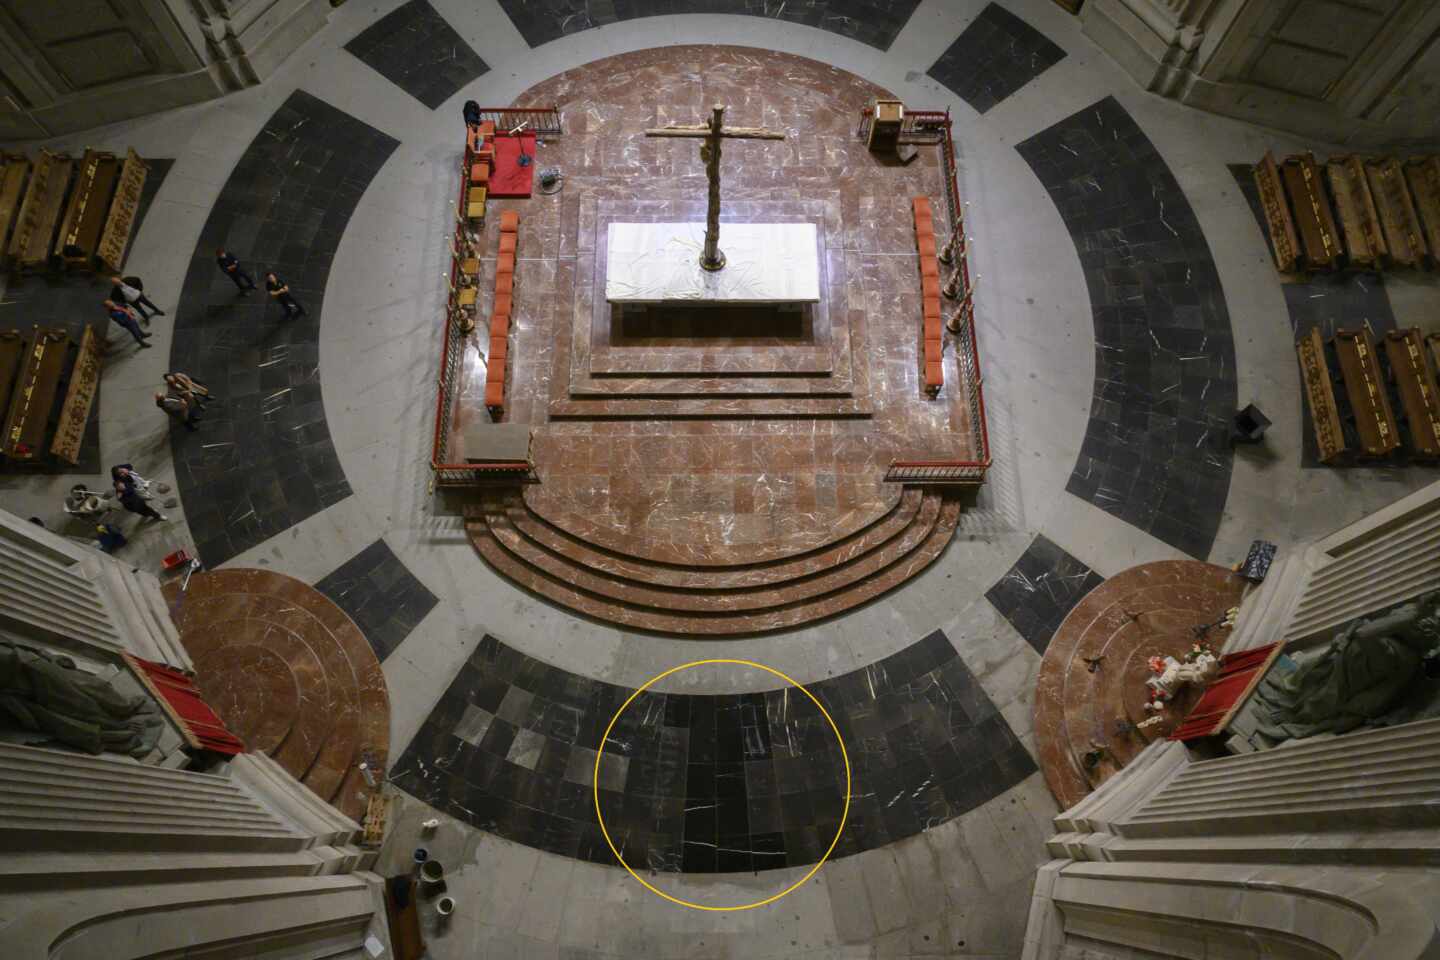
[[1364, 74], [1325, 847], [78, 64], [105, 857]]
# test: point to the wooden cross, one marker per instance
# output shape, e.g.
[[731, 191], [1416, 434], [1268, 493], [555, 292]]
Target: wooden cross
[[713, 132]]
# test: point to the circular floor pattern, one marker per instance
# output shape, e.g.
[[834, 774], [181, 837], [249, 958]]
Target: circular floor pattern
[[1091, 691], [290, 674], [694, 479]]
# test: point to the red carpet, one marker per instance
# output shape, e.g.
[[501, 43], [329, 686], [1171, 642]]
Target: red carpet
[[509, 179]]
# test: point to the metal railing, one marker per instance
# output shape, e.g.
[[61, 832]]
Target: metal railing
[[934, 126], [918, 127], [452, 352], [545, 121]]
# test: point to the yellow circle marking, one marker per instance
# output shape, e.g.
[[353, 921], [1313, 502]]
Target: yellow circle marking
[[700, 906]]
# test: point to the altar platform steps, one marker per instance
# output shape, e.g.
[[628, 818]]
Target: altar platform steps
[[710, 600]]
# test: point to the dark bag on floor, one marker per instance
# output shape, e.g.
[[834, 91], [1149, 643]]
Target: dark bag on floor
[[134, 282]]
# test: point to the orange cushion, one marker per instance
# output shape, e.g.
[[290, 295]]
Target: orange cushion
[[495, 370], [495, 394], [499, 325], [488, 128], [925, 243], [504, 283], [501, 304], [929, 267], [479, 173], [934, 374], [920, 205], [509, 221], [931, 308], [932, 328], [507, 242], [499, 346], [505, 264], [930, 288]]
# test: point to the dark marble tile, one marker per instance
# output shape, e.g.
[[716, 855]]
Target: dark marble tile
[[1037, 593], [379, 593], [872, 22], [71, 302], [730, 783], [262, 459], [997, 54], [416, 49], [1157, 449]]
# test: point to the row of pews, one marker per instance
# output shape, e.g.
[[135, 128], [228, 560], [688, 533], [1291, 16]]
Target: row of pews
[[500, 313], [35, 367], [933, 344], [1366, 403], [1351, 212], [74, 214]]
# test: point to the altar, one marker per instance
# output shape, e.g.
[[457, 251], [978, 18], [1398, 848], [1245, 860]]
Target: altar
[[766, 263]]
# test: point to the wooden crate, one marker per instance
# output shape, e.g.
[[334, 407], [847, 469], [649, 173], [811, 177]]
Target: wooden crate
[[1365, 389], [1319, 394], [1355, 207], [1310, 208], [1284, 242], [1397, 211]]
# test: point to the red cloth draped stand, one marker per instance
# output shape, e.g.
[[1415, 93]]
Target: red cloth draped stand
[[1239, 673], [181, 701]]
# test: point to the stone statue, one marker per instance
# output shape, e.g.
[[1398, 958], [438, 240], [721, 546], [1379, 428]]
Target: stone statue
[[1171, 674], [45, 693], [1357, 680]]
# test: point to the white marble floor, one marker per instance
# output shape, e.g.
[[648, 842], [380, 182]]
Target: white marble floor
[[960, 890]]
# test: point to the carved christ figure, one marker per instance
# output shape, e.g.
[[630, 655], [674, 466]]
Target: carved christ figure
[[711, 258]]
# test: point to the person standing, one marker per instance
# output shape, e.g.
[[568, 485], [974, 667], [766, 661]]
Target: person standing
[[131, 500], [230, 266], [125, 317], [131, 292], [179, 408], [280, 293], [124, 473]]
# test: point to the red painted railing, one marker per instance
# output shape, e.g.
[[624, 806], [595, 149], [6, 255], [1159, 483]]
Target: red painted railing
[[934, 126]]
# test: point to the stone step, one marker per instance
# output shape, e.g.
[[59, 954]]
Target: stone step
[[602, 583], [728, 578], [717, 623]]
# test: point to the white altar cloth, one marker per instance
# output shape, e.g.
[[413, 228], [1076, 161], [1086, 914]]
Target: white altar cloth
[[764, 263]]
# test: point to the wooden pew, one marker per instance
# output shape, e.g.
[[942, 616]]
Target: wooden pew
[[14, 172], [1359, 219], [931, 338], [12, 356], [28, 419], [1433, 342], [1415, 384], [1365, 389], [79, 236], [500, 317], [1284, 242], [40, 211], [1422, 174], [120, 221], [79, 398], [1397, 211], [1320, 396], [1310, 207]]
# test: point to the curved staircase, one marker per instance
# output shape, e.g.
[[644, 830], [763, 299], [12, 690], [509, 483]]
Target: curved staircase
[[775, 593]]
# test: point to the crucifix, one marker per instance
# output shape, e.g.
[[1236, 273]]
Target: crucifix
[[711, 258]]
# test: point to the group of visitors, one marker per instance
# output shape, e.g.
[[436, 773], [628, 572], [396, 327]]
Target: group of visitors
[[131, 491], [130, 309]]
